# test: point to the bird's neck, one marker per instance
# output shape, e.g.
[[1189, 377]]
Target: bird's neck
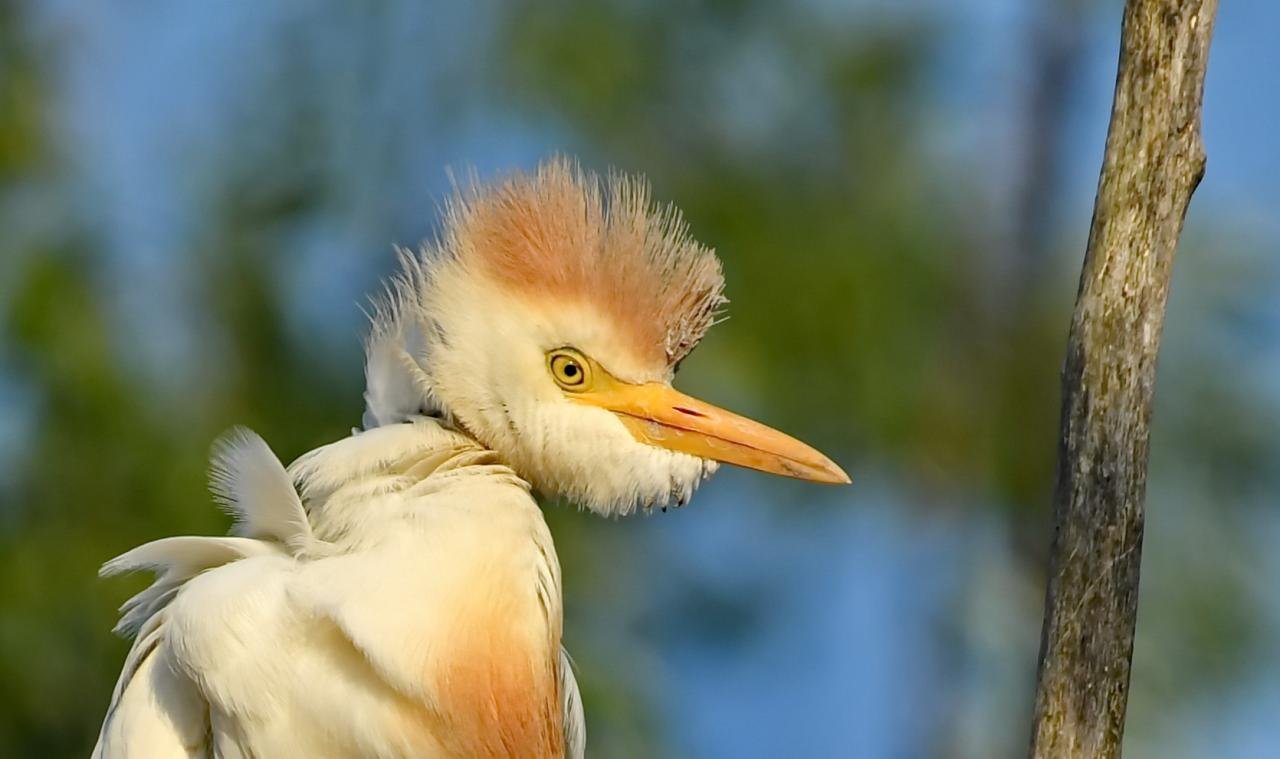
[[361, 486]]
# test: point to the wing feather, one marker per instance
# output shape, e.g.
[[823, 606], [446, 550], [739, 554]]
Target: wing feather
[[156, 712], [175, 560], [575, 722], [249, 481]]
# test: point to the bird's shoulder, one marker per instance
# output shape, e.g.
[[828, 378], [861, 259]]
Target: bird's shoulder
[[410, 478]]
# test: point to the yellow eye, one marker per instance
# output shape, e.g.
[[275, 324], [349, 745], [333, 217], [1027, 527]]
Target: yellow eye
[[569, 369]]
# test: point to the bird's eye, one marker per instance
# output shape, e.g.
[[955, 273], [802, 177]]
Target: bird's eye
[[569, 369]]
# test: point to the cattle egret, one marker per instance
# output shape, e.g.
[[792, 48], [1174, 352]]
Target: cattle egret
[[396, 593]]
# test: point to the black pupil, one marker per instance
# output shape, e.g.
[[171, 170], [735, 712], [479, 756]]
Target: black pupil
[[570, 369]]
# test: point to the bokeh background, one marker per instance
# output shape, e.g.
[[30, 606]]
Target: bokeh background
[[196, 197]]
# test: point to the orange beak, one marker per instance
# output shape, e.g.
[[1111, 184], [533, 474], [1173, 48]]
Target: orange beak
[[660, 415]]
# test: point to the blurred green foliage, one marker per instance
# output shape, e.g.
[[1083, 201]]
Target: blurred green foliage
[[866, 311]]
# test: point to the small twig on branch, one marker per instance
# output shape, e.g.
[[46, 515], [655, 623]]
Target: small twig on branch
[[1154, 160]]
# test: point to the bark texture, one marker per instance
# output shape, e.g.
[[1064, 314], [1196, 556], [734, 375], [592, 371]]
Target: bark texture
[[1154, 160]]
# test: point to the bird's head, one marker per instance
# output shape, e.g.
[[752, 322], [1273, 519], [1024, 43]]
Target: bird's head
[[547, 322]]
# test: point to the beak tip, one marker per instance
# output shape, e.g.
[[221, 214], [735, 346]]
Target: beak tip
[[839, 476], [826, 471]]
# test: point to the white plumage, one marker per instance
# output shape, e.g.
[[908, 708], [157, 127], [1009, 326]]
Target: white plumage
[[397, 593], [282, 644]]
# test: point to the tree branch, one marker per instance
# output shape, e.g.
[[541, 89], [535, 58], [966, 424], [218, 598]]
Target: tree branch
[[1154, 160]]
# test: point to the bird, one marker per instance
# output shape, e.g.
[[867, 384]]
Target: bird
[[396, 593]]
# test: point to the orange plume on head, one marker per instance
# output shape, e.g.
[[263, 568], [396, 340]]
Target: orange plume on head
[[568, 234]]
